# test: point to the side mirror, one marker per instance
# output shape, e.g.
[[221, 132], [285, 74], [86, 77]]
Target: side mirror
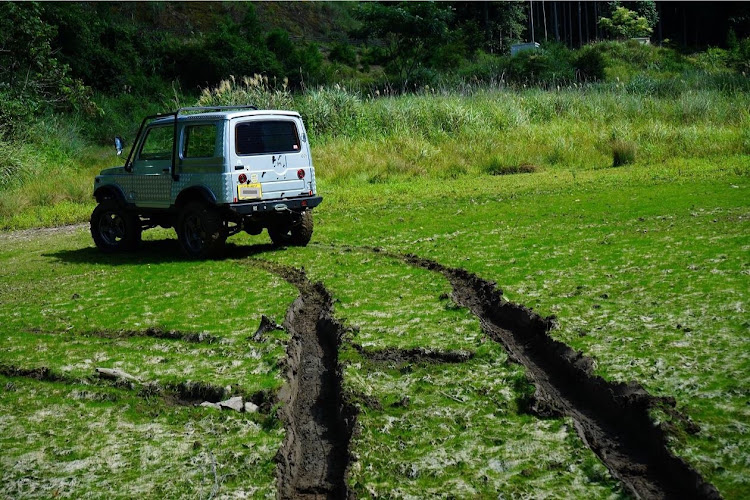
[[119, 144]]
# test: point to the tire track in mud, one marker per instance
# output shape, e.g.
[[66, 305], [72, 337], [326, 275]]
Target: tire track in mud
[[314, 457], [185, 393], [611, 418]]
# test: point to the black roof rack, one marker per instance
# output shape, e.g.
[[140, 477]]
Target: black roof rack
[[208, 109]]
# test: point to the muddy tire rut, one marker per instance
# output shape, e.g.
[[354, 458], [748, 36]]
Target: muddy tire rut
[[314, 456], [611, 418]]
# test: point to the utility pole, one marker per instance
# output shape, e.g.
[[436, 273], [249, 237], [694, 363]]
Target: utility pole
[[544, 16], [531, 16]]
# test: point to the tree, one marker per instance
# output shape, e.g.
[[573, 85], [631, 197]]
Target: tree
[[412, 31], [31, 77], [625, 23], [647, 9], [489, 26]]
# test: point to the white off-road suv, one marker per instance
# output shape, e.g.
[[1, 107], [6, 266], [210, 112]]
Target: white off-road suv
[[209, 173]]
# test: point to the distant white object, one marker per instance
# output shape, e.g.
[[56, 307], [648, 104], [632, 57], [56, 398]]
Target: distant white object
[[521, 47], [643, 40]]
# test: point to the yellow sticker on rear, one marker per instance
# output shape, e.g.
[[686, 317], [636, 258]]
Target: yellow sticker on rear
[[249, 192]]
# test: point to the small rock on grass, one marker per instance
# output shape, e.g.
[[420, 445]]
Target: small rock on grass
[[115, 374], [236, 403]]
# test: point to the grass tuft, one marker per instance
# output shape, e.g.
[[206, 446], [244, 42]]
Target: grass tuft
[[497, 167], [623, 152]]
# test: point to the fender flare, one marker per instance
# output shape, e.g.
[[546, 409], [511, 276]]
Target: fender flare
[[110, 191], [193, 193]]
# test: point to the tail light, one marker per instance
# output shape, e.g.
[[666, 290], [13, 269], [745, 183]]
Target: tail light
[[301, 173], [242, 178]]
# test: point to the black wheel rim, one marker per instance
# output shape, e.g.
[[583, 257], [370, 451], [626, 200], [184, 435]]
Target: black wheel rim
[[112, 228], [195, 233]]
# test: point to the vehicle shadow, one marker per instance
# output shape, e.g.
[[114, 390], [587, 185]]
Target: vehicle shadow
[[155, 252]]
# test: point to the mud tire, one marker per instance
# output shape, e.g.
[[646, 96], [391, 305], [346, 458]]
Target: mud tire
[[113, 228], [201, 230], [293, 232]]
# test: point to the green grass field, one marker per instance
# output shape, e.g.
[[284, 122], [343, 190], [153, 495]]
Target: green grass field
[[646, 267]]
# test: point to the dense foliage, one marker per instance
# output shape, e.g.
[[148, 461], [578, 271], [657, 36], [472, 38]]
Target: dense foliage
[[78, 73], [110, 58], [625, 24], [31, 77]]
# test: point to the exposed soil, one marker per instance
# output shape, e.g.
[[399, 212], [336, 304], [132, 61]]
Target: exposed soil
[[415, 355], [30, 234], [313, 459], [187, 393], [42, 373], [611, 418], [157, 333], [174, 335]]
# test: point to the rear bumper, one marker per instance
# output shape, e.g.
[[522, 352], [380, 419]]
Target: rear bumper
[[259, 207]]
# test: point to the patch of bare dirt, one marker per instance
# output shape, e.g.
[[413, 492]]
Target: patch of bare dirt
[[611, 418], [30, 234], [314, 457], [158, 333], [41, 373]]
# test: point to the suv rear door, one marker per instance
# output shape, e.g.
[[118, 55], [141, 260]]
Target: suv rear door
[[271, 150]]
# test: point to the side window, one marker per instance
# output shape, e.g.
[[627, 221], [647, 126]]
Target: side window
[[200, 141], [158, 144], [266, 137]]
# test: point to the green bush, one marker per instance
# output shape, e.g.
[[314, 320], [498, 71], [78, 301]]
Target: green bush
[[739, 55], [548, 67], [343, 53], [625, 23], [589, 64], [32, 79], [485, 68]]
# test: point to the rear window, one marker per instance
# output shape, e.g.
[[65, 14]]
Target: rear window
[[265, 137]]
